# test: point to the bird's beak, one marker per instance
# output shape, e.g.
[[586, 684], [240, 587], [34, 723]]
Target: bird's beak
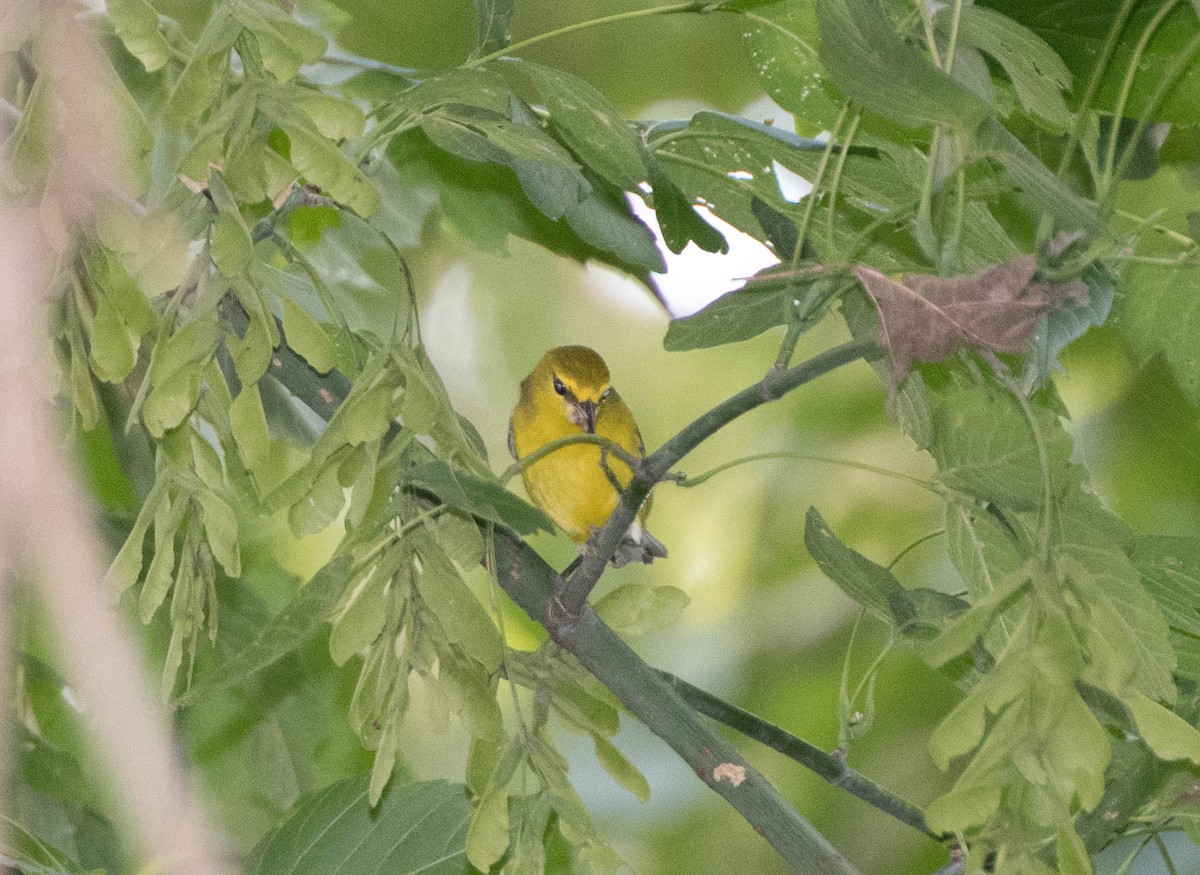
[[587, 410]]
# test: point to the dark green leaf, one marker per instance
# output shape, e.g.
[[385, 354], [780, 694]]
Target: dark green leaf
[[768, 299], [1037, 73], [871, 585], [416, 828], [679, 221], [1078, 29], [593, 129], [478, 497], [872, 64]]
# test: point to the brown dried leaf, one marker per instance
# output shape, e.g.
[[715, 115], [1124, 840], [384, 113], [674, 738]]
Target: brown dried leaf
[[925, 318]]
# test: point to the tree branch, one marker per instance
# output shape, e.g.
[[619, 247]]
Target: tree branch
[[831, 767], [572, 594], [530, 582]]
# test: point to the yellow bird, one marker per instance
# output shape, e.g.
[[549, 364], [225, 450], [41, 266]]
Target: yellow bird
[[569, 393]]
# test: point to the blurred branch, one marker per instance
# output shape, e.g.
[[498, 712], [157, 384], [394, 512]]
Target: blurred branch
[[572, 594], [829, 766], [44, 516]]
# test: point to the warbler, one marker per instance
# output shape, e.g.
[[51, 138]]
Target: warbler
[[569, 393]]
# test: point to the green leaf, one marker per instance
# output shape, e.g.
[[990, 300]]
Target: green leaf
[[492, 19], [205, 72], [460, 613], [985, 447], [283, 42], [335, 117], [768, 299], [1036, 72], [323, 164], [321, 504], [1072, 320], [416, 828], [288, 630], [636, 609], [307, 338], [622, 770], [591, 126], [248, 424], [362, 615], [482, 135], [871, 64], [1159, 313], [1165, 732], [1036, 184], [1170, 569], [221, 529], [136, 25], [229, 240], [127, 566], [679, 221], [478, 497], [1072, 856], [604, 221], [171, 401], [113, 345], [488, 836], [868, 584], [782, 43], [1077, 31], [727, 162]]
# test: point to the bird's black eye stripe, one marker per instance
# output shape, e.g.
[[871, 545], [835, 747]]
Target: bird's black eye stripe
[[559, 387]]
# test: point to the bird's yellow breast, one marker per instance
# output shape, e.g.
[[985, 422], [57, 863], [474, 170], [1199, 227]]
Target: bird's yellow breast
[[569, 393], [570, 484]]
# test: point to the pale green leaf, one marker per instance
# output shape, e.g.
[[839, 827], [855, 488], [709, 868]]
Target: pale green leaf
[[113, 345], [622, 770], [361, 617], [1165, 732], [306, 337], [136, 25], [637, 609], [1159, 313]]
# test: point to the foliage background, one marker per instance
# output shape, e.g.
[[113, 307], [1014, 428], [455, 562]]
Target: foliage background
[[765, 629]]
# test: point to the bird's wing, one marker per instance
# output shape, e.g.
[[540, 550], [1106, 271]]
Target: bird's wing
[[637, 433], [512, 439]]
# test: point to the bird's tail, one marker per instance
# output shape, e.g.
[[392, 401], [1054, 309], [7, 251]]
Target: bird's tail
[[638, 545]]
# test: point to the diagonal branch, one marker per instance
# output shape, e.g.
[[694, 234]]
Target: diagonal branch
[[573, 593], [829, 766]]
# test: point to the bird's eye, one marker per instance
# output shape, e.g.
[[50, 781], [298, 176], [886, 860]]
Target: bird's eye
[[559, 387], [606, 393]]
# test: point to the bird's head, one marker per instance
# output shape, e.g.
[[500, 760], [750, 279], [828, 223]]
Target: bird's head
[[576, 378]]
